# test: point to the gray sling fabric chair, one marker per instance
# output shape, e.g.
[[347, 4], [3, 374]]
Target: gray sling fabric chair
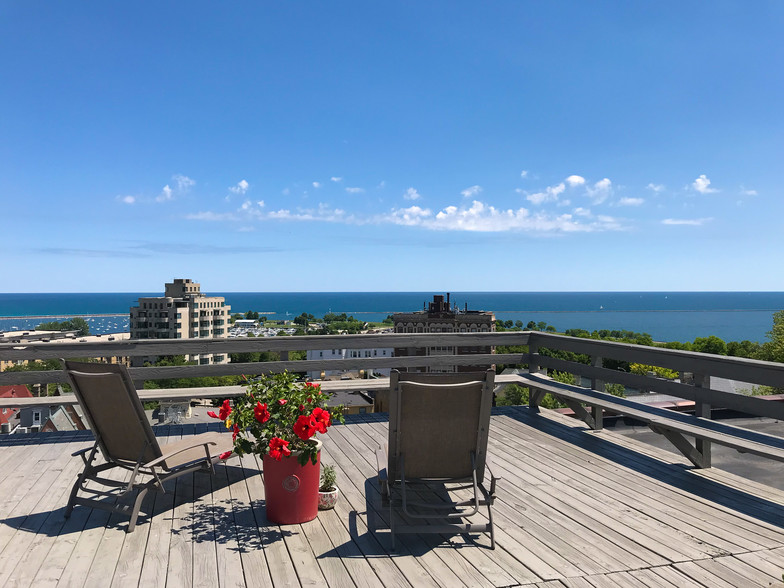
[[438, 429], [126, 440]]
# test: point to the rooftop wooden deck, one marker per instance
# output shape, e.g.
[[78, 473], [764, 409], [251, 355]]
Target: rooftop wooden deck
[[576, 508]]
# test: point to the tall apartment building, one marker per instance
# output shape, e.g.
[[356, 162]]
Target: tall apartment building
[[182, 313], [440, 316]]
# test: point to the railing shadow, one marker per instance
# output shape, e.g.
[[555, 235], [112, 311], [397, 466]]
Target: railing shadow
[[680, 476]]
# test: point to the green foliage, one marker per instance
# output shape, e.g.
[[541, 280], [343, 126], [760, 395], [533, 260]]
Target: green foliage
[[329, 478], [773, 348], [277, 408], [252, 315], [710, 344], [615, 389], [76, 323], [563, 377], [389, 320], [203, 382], [509, 349], [743, 348], [512, 395], [659, 372]]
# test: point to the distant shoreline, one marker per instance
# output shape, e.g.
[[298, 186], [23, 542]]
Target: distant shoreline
[[54, 316]]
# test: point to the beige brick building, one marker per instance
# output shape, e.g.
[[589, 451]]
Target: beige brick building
[[182, 313]]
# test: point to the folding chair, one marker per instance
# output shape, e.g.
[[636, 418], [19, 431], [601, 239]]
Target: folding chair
[[438, 429], [126, 440]]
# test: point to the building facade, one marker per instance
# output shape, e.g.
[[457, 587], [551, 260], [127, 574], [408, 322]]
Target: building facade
[[441, 316], [319, 354], [184, 312]]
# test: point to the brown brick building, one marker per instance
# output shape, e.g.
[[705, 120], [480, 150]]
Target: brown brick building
[[441, 316]]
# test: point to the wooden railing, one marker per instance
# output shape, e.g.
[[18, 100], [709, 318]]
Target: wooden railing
[[702, 366]]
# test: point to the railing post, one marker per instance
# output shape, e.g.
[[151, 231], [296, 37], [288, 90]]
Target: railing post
[[534, 395], [702, 409], [596, 411]]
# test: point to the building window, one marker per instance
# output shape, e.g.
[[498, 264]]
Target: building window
[[36, 418], [362, 409]]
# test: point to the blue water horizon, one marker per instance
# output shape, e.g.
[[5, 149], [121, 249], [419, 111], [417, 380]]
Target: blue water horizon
[[666, 316]]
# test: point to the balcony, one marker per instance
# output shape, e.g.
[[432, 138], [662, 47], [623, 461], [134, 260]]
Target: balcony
[[576, 507]]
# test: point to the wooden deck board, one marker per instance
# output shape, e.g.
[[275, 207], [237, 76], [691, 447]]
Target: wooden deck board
[[574, 510]]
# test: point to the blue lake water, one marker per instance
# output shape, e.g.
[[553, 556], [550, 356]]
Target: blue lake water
[[666, 316]]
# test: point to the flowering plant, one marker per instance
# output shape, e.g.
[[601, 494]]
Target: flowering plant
[[278, 415]]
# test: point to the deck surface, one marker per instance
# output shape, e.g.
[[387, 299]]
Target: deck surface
[[575, 509]]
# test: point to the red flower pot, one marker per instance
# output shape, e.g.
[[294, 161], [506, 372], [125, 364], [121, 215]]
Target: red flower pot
[[291, 489]]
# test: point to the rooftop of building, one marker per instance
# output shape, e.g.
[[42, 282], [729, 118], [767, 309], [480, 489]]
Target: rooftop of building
[[575, 508]]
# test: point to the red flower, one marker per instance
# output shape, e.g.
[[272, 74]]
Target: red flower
[[225, 455], [282, 401], [225, 410], [236, 432], [302, 408], [312, 385], [212, 414], [322, 418], [278, 448], [305, 427], [261, 413]]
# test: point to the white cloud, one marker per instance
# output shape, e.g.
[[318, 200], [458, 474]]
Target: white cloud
[[550, 193], [580, 211], [480, 217], [575, 181], [524, 174], [600, 191], [317, 184], [655, 187], [240, 188], [630, 201], [412, 194], [127, 199], [166, 194], [745, 192], [695, 222], [184, 183], [702, 185], [212, 216], [471, 192], [355, 190], [336, 179], [413, 215]]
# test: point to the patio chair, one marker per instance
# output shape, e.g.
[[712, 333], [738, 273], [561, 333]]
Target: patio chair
[[126, 440], [438, 429]]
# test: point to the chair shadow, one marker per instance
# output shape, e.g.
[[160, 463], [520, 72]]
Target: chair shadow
[[376, 540], [230, 521], [680, 476]]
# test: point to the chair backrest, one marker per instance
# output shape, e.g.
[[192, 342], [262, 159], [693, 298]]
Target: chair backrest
[[436, 421], [113, 409]]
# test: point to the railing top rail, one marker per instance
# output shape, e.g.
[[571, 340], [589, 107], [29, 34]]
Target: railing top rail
[[145, 347], [733, 368]]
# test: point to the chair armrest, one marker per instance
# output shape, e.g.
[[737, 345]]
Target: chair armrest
[[493, 479], [381, 463], [166, 456]]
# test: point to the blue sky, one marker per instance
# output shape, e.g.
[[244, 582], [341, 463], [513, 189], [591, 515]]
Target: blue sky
[[407, 146]]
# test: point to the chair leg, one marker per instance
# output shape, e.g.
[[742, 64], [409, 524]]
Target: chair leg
[[137, 505], [74, 491], [492, 528]]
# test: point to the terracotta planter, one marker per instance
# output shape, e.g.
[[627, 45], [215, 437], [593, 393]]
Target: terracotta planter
[[327, 500], [291, 490]]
